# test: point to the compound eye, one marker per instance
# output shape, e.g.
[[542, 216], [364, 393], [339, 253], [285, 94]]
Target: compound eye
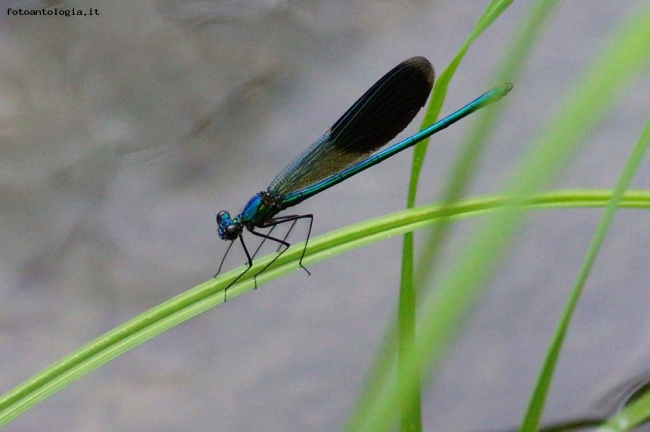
[[222, 215]]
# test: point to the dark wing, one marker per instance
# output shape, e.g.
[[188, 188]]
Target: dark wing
[[375, 119]]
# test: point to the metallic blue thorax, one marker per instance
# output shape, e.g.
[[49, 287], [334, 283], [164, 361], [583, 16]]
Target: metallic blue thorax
[[261, 208]]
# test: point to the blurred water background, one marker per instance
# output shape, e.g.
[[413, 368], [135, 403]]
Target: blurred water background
[[122, 134]]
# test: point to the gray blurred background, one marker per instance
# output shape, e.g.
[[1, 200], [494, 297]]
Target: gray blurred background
[[122, 134]]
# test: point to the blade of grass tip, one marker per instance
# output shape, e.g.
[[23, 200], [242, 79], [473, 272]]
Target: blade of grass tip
[[472, 148], [535, 409], [410, 405], [491, 13], [583, 108]]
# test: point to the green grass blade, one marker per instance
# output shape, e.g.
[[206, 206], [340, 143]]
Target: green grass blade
[[472, 148], [492, 12], [535, 409], [410, 405], [209, 294]]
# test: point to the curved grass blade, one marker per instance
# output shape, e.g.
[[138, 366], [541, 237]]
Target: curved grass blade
[[209, 294]]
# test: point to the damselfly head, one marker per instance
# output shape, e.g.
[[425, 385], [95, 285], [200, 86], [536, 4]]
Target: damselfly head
[[228, 229]]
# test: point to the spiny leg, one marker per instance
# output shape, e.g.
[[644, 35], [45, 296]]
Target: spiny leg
[[286, 236], [293, 219], [262, 243], [304, 249], [223, 260], [275, 239], [249, 264], [282, 242]]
